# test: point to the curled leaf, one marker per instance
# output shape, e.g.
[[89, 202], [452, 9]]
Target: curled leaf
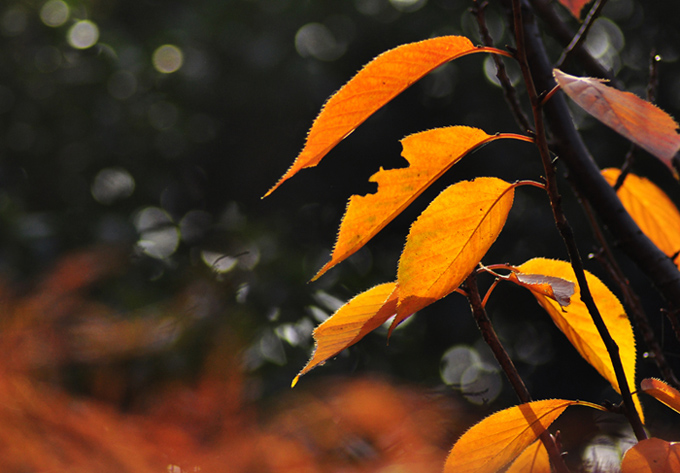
[[576, 323], [662, 392], [373, 86], [493, 443], [652, 456], [430, 154], [351, 322], [558, 289], [640, 121], [449, 239], [656, 214]]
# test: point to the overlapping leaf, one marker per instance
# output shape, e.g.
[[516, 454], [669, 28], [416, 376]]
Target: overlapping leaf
[[373, 86], [558, 289], [576, 323], [351, 322], [656, 215], [430, 154], [652, 456], [499, 439], [662, 392], [641, 122], [449, 239], [534, 459]]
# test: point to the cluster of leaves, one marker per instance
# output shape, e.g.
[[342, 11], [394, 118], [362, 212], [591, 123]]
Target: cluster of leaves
[[446, 244]]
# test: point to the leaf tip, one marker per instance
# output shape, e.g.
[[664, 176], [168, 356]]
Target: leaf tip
[[295, 381]]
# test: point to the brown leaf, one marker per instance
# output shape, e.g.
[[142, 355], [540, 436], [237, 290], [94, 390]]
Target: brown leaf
[[558, 289], [641, 122]]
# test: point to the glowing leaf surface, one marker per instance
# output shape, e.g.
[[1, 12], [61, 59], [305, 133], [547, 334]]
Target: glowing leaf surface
[[449, 239], [576, 323]]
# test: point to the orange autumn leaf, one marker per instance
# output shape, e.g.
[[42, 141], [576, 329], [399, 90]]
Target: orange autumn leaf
[[652, 456], [534, 459], [576, 323], [499, 439], [574, 6], [640, 121], [558, 289], [449, 239], [662, 392], [656, 215], [373, 86], [351, 322], [430, 154]]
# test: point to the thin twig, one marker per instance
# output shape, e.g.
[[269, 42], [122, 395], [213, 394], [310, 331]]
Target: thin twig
[[652, 85], [509, 91], [565, 229], [606, 259], [501, 355], [578, 39]]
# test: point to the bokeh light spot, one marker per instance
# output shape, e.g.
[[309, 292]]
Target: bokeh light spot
[[317, 41], [408, 5], [54, 13], [167, 58], [13, 22], [112, 184], [159, 237], [83, 34]]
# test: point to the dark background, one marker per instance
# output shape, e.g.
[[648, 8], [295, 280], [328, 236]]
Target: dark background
[[98, 147]]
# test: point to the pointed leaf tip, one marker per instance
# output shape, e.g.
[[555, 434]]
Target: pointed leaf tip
[[377, 83], [350, 323]]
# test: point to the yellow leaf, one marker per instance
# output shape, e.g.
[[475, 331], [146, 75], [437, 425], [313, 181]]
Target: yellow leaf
[[430, 154], [534, 459], [662, 392], [641, 122], [656, 215], [373, 86], [576, 323], [499, 439], [652, 456], [449, 239], [351, 322]]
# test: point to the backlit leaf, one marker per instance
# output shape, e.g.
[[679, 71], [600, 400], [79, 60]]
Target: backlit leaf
[[430, 154], [574, 6], [558, 289], [641, 122], [662, 392], [449, 239], [534, 459], [656, 215], [351, 322], [576, 323], [499, 439], [652, 456], [373, 86]]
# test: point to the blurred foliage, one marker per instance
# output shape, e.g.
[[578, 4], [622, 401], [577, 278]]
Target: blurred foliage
[[146, 166]]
